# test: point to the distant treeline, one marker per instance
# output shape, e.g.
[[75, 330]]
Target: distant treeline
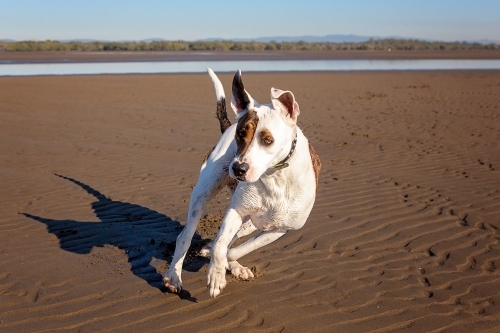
[[373, 44]]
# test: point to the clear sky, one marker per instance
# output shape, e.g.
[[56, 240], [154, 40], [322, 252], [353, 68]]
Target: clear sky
[[447, 20]]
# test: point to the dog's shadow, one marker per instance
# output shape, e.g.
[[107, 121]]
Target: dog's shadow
[[142, 233]]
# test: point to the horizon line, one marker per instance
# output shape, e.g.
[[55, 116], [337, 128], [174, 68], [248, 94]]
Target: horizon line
[[264, 39]]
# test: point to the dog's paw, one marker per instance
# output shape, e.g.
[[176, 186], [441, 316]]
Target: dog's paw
[[216, 279], [205, 251], [173, 283], [240, 272]]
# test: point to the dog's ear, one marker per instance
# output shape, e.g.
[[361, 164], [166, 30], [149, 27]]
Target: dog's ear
[[285, 102], [241, 100]]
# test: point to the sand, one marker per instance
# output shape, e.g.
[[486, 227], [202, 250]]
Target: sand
[[96, 174]]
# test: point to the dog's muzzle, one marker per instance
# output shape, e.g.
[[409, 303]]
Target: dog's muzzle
[[240, 170]]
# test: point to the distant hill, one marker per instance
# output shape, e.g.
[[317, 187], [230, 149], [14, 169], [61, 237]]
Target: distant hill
[[486, 41], [81, 40], [150, 40], [279, 39], [309, 39], [90, 40]]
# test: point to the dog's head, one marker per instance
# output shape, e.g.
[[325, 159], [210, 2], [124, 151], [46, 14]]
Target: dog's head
[[264, 133]]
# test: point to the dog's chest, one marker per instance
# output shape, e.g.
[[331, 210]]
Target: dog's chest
[[275, 205]]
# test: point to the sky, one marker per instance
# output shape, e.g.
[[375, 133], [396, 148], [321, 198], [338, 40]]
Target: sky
[[444, 20]]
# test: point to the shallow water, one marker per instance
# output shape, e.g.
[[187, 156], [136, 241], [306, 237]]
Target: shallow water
[[247, 66]]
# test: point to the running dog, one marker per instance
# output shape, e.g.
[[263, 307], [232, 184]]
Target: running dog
[[272, 170]]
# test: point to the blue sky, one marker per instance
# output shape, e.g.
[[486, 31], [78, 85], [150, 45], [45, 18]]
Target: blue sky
[[190, 20]]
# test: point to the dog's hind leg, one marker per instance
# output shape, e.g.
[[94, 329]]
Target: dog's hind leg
[[259, 240], [246, 229]]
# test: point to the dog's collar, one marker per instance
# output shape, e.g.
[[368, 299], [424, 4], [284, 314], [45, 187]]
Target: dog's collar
[[283, 164]]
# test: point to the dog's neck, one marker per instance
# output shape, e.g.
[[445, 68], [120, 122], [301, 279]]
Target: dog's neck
[[283, 163]]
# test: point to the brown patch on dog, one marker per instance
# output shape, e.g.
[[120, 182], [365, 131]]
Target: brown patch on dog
[[266, 138], [222, 115], [245, 130], [315, 161]]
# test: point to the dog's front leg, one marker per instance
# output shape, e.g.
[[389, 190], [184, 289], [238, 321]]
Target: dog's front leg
[[207, 187], [172, 279], [216, 279]]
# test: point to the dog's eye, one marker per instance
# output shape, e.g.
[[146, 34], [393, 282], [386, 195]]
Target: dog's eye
[[242, 133], [267, 141]]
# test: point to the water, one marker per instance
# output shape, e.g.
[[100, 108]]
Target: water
[[245, 66]]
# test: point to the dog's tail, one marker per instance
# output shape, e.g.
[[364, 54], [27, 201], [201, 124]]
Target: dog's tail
[[221, 102]]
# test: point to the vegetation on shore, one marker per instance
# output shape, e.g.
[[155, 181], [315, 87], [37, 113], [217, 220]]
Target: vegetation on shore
[[373, 44]]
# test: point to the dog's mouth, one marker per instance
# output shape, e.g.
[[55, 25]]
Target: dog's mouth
[[240, 178]]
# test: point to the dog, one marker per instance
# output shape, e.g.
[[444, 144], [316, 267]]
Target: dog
[[272, 171]]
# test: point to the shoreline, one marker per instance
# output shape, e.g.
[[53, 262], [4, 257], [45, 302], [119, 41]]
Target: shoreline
[[96, 57]]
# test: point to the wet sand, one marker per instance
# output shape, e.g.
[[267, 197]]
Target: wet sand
[[96, 174]]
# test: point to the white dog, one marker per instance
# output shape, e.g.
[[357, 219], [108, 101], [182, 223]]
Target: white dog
[[268, 162]]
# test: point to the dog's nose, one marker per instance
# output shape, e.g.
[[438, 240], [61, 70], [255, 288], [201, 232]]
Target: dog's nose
[[240, 169]]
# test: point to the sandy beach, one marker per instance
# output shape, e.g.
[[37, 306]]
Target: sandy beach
[[97, 171]]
